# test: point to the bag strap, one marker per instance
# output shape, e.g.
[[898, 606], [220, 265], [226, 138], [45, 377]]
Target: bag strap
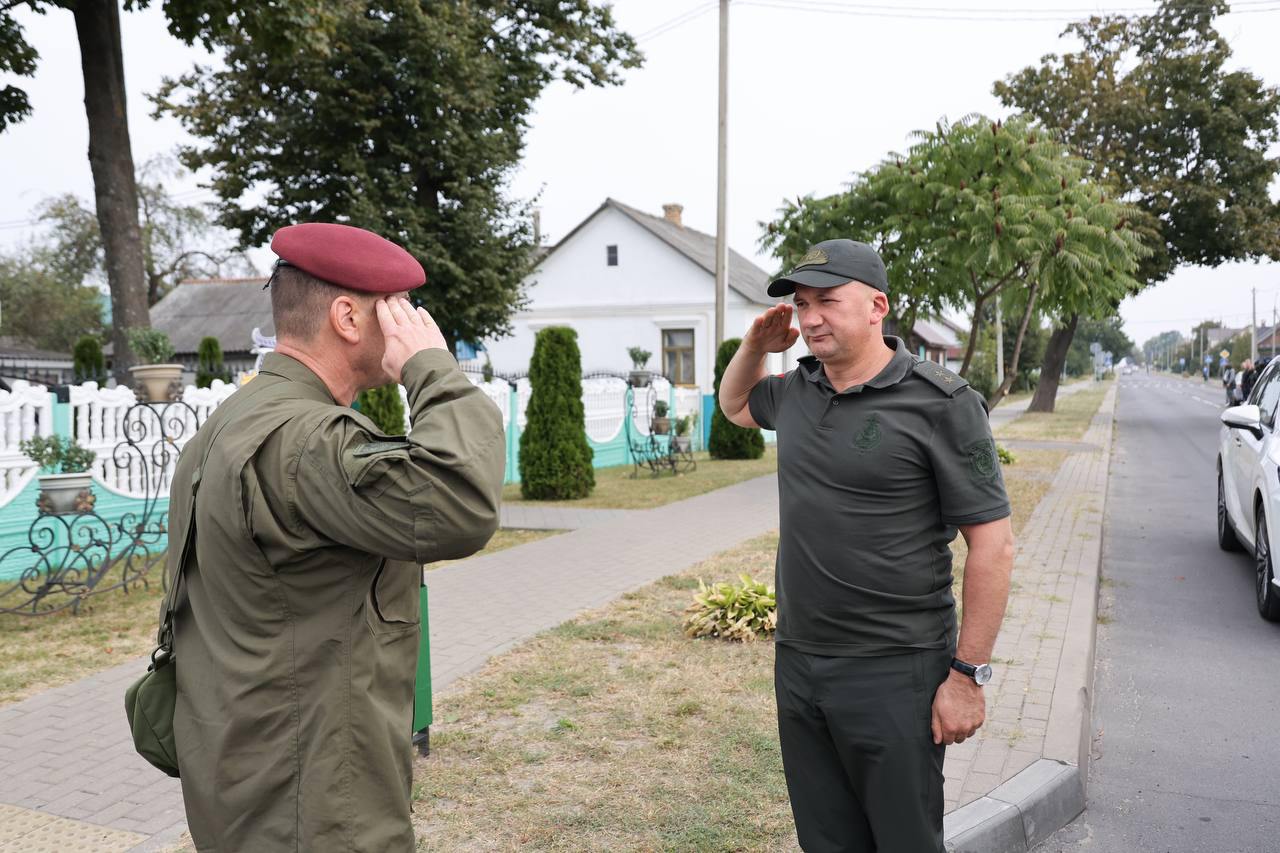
[[164, 637]]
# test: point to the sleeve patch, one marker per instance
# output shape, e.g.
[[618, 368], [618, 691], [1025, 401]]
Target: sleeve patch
[[385, 445], [983, 465]]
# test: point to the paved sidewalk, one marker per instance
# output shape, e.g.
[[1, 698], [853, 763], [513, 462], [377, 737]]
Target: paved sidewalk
[[1022, 776], [531, 516], [70, 772]]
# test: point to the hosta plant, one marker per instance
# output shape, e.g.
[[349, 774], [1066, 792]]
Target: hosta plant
[[743, 611]]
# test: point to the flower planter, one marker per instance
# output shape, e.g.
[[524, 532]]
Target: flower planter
[[64, 493], [157, 383], [682, 443], [640, 378], [661, 426]]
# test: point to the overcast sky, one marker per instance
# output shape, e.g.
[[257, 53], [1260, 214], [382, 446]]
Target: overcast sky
[[819, 89]]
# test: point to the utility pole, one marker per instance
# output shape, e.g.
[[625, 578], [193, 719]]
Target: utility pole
[[722, 180], [999, 344], [1253, 330]]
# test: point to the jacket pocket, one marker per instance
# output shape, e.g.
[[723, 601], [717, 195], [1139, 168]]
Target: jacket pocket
[[393, 600]]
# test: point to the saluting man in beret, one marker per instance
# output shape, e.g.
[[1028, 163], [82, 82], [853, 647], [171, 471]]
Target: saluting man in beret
[[881, 458], [298, 632]]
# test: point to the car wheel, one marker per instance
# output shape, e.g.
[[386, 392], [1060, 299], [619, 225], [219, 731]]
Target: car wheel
[[1267, 594], [1227, 539]]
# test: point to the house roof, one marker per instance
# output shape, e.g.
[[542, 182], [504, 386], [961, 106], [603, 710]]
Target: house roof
[[225, 308], [936, 334], [12, 348], [744, 277]]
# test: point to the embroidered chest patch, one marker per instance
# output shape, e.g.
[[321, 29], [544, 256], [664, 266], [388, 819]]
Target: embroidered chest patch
[[868, 438]]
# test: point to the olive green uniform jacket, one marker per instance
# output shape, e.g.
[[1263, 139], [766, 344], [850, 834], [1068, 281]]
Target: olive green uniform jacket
[[297, 640]]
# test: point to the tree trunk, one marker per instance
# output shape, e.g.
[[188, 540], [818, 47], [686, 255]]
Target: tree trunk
[[974, 328], [114, 184], [1055, 356], [1011, 370]]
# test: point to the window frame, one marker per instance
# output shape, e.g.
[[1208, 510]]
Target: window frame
[[611, 255], [691, 350]]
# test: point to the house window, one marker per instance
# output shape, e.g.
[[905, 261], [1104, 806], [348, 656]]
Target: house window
[[612, 253], [677, 355]]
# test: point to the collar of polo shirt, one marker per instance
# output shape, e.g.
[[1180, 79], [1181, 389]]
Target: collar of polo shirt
[[893, 373]]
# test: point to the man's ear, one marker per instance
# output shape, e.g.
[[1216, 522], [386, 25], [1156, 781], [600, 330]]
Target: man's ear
[[342, 319], [879, 306]]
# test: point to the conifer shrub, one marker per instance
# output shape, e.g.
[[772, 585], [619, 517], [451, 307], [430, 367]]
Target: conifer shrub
[[555, 458], [384, 407], [728, 440], [209, 365], [88, 362]]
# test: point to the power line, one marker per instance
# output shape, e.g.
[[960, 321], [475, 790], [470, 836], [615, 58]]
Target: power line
[[675, 23], [920, 13]]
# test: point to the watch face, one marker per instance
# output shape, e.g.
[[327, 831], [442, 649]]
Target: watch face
[[982, 674]]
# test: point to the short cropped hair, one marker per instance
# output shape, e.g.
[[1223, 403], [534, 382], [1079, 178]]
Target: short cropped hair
[[300, 301]]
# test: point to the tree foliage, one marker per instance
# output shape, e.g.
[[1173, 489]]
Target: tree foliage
[[43, 307], [728, 440], [403, 117], [555, 457], [383, 406], [975, 211], [1149, 102]]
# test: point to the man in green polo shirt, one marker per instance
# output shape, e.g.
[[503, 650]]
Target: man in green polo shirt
[[882, 457]]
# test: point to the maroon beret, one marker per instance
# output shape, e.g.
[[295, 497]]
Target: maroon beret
[[348, 257]]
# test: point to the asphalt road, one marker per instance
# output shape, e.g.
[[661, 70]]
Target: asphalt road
[[1186, 757]]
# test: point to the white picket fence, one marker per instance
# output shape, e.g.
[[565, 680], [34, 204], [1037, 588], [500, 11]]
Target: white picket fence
[[101, 418]]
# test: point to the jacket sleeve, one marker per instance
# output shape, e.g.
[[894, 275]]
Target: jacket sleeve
[[431, 495]]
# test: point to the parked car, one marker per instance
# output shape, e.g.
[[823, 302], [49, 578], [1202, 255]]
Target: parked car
[[1249, 485]]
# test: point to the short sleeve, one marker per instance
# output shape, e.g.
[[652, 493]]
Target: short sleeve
[[965, 463], [763, 401]]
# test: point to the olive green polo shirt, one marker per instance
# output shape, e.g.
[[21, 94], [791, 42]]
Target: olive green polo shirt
[[872, 483]]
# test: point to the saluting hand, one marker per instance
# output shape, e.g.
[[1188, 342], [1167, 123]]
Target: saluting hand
[[407, 331], [772, 331]]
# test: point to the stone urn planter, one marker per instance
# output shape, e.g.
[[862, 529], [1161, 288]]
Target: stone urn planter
[[157, 383], [65, 493], [640, 378], [683, 443], [661, 426]]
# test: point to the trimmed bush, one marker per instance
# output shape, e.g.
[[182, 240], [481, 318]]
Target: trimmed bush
[[555, 458], [384, 407], [209, 364], [90, 365], [728, 440]]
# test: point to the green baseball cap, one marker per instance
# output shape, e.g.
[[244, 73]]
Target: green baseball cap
[[832, 263]]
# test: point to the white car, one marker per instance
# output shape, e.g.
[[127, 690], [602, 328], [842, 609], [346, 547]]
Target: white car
[[1249, 484]]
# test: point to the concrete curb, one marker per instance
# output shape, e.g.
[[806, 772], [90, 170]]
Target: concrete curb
[[1043, 798]]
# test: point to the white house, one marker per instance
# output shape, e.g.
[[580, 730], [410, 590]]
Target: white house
[[625, 278]]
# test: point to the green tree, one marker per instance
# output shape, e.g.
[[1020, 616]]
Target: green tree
[[42, 307], [555, 457], [728, 440], [1107, 333], [383, 406], [88, 361], [976, 211], [409, 123], [1149, 102]]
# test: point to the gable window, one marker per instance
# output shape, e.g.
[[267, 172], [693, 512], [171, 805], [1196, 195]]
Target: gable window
[[677, 355], [611, 253]]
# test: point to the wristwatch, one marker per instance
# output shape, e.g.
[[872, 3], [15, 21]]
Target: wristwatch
[[980, 673]]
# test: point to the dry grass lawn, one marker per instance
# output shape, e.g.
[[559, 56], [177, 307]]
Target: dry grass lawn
[[39, 652], [1068, 422], [614, 732], [619, 488]]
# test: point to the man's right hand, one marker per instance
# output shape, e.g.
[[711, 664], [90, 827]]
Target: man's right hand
[[772, 331], [406, 332]]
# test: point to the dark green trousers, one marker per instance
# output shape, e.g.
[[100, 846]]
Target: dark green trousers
[[862, 770]]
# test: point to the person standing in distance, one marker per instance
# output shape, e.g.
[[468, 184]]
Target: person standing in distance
[[881, 458], [297, 632]]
